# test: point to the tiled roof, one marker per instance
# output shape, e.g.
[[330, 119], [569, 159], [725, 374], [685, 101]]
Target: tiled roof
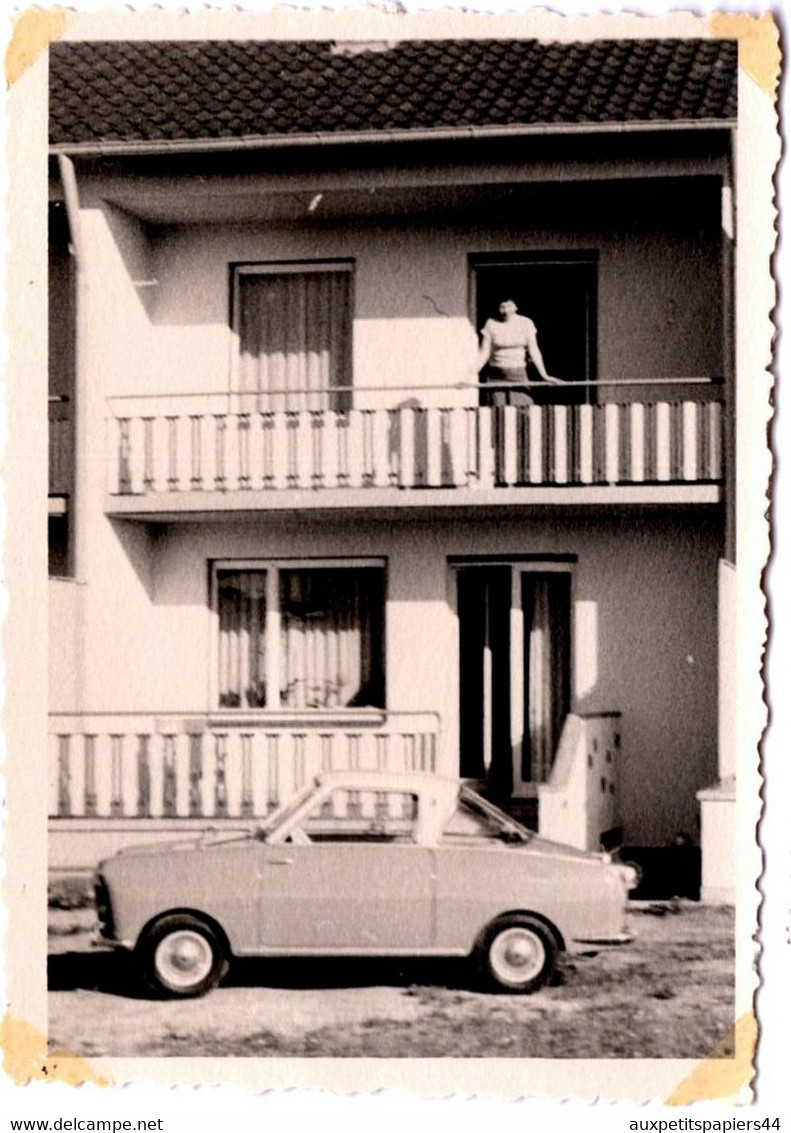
[[176, 90]]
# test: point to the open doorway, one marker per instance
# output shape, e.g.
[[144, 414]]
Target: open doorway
[[557, 290], [514, 673]]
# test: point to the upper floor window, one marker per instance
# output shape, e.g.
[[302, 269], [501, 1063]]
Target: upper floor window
[[293, 636], [293, 326]]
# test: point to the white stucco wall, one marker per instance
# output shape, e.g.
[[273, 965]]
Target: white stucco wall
[[166, 290]]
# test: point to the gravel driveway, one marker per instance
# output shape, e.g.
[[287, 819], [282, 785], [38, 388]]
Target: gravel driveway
[[668, 994]]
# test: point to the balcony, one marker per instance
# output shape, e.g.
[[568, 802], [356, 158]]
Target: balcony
[[181, 455]]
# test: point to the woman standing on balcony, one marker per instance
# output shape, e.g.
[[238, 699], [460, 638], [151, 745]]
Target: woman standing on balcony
[[506, 344]]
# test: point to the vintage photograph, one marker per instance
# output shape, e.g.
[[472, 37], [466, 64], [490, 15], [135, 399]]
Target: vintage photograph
[[393, 528]]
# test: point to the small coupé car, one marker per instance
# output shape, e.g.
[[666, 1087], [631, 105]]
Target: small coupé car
[[363, 864]]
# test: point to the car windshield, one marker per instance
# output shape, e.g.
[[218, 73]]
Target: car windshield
[[284, 812], [503, 825]]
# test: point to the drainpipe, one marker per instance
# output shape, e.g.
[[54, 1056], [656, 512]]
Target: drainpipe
[[81, 441], [69, 182]]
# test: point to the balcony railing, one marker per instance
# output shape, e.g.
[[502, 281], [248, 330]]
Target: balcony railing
[[165, 446], [136, 766]]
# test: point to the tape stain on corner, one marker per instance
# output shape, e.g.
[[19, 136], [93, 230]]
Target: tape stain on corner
[[720, 1076], [34, 30], [759, 44], [26, 1060]]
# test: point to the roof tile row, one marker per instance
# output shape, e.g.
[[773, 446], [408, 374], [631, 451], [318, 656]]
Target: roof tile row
[[128, 91]]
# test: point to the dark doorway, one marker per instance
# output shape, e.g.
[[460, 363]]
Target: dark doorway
[[558, 292], [484, 607], [514, 674]]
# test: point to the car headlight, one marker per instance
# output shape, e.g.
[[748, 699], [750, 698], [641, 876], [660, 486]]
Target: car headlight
[[629, 876]]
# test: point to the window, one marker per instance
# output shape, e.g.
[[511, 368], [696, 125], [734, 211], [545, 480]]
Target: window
[[473, 821], [300, 637], [469, 825], [362, 816], [293, 325]]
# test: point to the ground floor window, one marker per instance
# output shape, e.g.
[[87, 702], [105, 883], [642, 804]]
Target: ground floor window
[[300, 636]]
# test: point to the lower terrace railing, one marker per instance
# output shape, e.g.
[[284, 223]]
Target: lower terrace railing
[[229, 443], [192, 766]]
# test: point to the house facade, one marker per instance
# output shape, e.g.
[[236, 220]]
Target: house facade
[[291, 529]]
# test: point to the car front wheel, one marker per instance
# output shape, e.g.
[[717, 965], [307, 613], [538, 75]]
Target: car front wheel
[[518, 954], [181, 957]]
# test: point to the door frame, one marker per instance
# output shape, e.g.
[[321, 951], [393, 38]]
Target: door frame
[[579, 257]]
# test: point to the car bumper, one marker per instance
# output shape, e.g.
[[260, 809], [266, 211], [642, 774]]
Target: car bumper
[[603, 941], [99, 941]]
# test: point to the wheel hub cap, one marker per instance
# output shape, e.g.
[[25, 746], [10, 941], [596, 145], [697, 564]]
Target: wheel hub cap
[[184, 958], [518, 953], [517, 956]]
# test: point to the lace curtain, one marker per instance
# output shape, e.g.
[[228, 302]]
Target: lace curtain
[[545, 602], [331, 642], [331, 638], [295, 335]]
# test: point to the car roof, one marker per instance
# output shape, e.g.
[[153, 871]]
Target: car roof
[[389, 780]]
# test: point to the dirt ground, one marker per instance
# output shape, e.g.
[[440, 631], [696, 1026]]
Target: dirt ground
[[669, 994]]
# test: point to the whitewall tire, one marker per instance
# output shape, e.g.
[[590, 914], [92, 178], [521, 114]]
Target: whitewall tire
[[518, 954], [181, 957]]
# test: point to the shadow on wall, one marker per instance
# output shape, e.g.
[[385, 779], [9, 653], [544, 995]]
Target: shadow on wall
[[133, 241], [138, 542]]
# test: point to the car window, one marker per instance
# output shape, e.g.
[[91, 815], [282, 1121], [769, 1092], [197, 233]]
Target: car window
[[362, 816], [468, 823]]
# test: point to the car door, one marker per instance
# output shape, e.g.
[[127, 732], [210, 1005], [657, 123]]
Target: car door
[[355, 879]]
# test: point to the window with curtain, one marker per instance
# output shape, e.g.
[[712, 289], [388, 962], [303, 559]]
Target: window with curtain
[[241, 600], [324, 649], [331, 638], [546, 605], [294, 329]]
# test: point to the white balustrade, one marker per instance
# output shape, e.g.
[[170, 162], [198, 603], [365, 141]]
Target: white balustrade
[[186, 449], [560, 423], [585, 435], [134, 766], [536, 445], [433, 448]]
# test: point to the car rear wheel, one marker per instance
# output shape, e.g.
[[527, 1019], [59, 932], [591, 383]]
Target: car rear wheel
[[518, 954], [182, 957]]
